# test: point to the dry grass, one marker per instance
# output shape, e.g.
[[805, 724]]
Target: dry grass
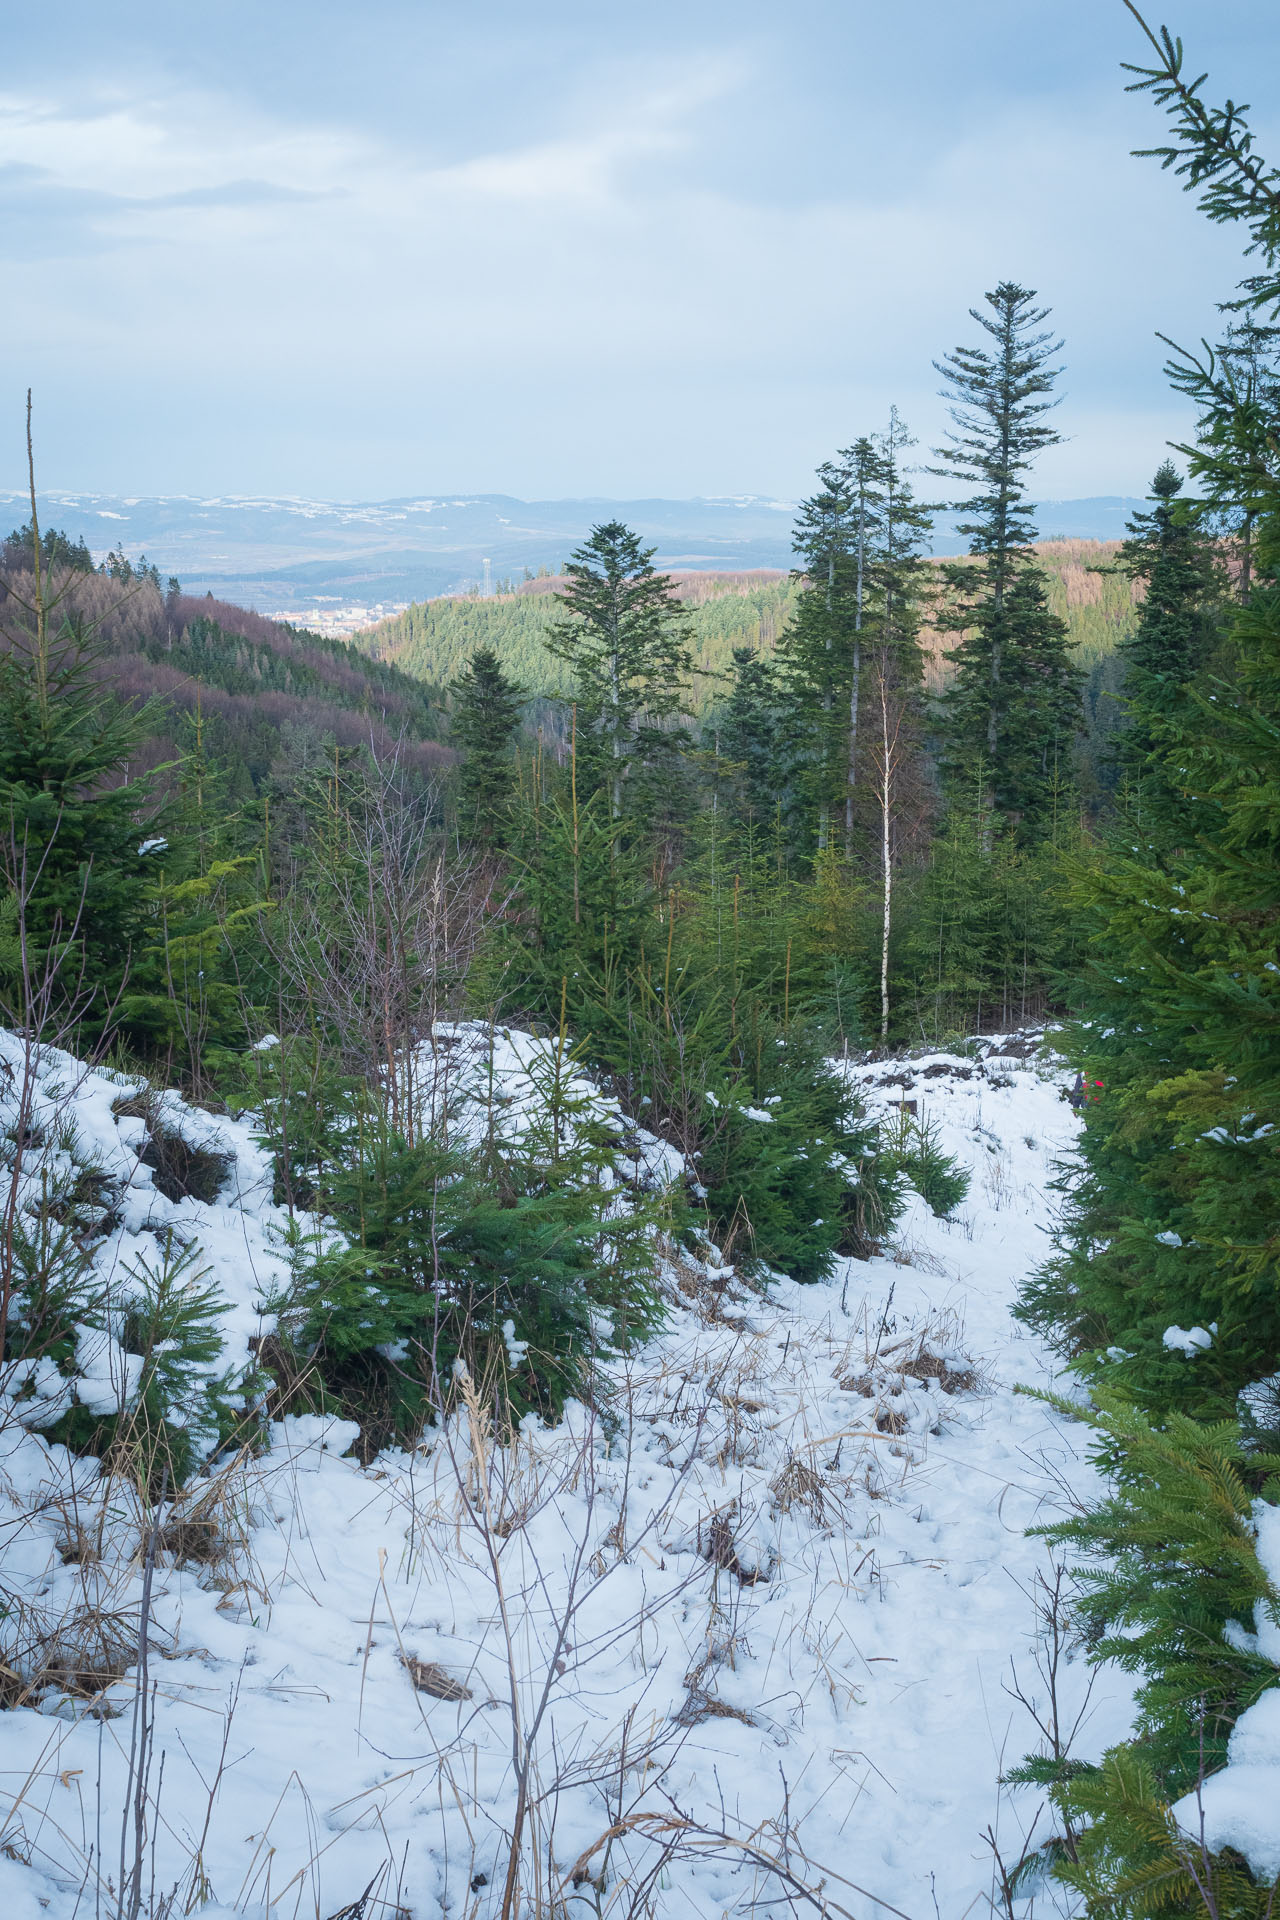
[[951, 1379], [79, 1653], [700, 1706], [429, 1677], [720, 1548], [799, 1484]]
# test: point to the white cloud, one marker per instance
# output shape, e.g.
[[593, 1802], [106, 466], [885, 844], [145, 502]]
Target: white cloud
[[580, 309]]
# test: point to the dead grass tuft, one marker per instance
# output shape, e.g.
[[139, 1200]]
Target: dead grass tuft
[[195, 1539], [428, 1677], [699, 1706], [705, 1290], [79, 1655], [721, 1550], [927, 1366], [799, 1484], [77, 1548]]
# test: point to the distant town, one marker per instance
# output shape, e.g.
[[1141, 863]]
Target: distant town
[[337, 623]]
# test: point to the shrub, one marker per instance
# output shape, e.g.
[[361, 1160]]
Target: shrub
[[914, 1148], [793, 1170], [523, 1262]]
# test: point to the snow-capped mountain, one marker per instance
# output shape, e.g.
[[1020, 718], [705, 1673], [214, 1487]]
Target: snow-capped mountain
[[281, 554]]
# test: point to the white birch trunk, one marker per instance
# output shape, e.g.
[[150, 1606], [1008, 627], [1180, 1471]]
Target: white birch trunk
[[888, 752]]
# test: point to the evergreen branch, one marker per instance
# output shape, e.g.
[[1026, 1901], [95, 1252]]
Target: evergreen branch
[[1213, 151]]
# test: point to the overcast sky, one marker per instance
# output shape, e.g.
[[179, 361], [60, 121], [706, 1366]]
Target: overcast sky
[[566, 248]]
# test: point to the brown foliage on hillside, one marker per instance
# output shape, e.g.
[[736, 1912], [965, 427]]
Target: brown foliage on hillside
[[141, 636]]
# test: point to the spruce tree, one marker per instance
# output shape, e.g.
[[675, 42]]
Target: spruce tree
[[486, 713], [1166, 1284], [821, 650], [1236, 387], [1172, 1222], [624, 637], [1175, 632], [747, 735], [894, 576], [189, 1002], [57, 550], [1011, 712]]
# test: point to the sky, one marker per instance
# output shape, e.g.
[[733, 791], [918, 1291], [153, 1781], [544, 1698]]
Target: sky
[[684, 247]]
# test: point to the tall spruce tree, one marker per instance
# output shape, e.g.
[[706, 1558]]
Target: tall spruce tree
[[486, 713], [821, 656], [1011, 711], [624, 637], [1182, 583]]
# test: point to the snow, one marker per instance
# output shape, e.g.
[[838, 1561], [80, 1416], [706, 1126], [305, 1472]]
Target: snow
[[241, 1237], [1188, 1340], [768, 1610], [1239, 1806]]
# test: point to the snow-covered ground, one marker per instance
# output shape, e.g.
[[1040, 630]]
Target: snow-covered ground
[[758, 1632]]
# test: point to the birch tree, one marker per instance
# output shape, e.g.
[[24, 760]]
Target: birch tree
[[893, 583]]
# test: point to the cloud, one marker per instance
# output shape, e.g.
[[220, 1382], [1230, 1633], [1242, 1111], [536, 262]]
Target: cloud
[[44, 218], [605, 298], [235, 193]]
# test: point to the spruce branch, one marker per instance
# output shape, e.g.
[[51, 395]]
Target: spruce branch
[[1213, 153]]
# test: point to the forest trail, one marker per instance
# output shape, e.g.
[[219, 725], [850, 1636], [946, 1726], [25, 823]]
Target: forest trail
[[750, 1633]]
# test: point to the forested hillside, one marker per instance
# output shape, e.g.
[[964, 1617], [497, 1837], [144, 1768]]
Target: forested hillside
[[258, 689], [434, 639]]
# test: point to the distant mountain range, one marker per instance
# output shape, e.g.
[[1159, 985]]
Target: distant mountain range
[[307, 556]]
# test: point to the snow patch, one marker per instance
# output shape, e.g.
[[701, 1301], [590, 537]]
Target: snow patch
[[788, 1568]]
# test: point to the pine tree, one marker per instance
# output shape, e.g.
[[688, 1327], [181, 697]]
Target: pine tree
[[486, 713], [1011, 712], [624, 638]]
